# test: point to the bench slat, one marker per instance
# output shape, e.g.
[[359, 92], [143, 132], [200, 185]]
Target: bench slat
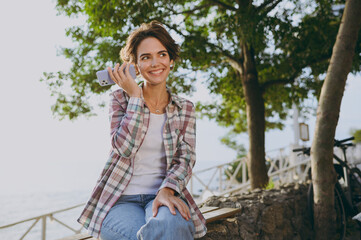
[[208, 209], [220, 213], [80, 236]]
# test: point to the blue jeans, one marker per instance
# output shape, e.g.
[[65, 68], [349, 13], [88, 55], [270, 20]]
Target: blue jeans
[[131, 218]]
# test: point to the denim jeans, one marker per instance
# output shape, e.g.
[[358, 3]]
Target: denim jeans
[[131, 218]]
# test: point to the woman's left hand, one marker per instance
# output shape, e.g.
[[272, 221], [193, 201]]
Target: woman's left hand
[[166, 197]]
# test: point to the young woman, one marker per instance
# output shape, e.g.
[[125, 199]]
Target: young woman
[[141, 193]]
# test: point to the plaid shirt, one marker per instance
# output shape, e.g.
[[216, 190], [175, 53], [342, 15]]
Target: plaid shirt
[[129, 120]]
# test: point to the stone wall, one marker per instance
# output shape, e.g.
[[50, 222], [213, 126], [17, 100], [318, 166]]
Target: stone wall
[[274, 214]]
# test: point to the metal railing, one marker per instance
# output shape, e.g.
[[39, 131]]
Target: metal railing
[[220, 180], [43, 218]]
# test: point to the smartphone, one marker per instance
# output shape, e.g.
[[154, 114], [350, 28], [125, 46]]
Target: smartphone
[[104, 78]]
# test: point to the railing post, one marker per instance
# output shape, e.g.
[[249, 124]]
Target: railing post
[[281, 162], [43, 228], [244, 171], [220, 180]]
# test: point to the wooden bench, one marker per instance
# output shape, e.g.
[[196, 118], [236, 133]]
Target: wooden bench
[[211, 214]]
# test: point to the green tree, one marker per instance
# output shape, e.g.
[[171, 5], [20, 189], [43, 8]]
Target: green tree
[[323, 172], [258, 56], [357, 135]]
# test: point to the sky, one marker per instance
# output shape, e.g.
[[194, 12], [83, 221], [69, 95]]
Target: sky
[[40, 153]]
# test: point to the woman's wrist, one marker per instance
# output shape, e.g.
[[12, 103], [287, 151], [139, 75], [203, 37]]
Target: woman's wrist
[[167, 190], [136, 93]]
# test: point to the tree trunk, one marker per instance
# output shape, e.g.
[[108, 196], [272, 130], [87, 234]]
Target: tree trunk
[[323, 174], [257, 170]]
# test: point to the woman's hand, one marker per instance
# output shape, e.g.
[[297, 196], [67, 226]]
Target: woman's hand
[[166, 197], [124, 81]]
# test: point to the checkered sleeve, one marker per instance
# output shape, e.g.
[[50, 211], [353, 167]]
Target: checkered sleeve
[[126, 121], [184, 158]]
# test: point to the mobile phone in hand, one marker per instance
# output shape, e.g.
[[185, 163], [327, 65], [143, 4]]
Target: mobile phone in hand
[[104, 78]]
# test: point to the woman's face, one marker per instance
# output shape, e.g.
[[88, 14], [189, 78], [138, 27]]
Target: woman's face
[[153, 61]]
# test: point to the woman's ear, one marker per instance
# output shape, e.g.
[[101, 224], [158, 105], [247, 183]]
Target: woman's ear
[[137, 72], [171, 64]]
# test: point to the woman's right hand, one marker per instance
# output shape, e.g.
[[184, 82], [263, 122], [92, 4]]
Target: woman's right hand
[[125, 81], [165, 197]]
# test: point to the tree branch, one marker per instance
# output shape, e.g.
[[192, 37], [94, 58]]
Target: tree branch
[[173, 28], [224, 5], [263, 5], [291, 79], [324, 57], [268, 84], [233, 61], [267, 8], [190, 10], [215, 2], [270, 8]]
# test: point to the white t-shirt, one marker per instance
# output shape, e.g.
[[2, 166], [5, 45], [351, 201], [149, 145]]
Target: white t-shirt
[[150, 161]]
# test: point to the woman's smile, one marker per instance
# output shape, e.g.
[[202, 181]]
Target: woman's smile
[[157, 72]]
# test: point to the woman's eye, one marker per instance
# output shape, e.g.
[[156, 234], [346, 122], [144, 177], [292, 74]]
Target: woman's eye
[[145, 58], [163, 54]]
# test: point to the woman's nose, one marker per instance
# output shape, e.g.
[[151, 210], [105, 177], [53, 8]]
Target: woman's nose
[[154, 62]]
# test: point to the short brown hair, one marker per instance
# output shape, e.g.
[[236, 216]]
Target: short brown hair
[[153, 29]]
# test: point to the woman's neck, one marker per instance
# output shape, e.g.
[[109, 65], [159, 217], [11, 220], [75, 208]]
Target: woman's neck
[[156, 97], [157, 94]]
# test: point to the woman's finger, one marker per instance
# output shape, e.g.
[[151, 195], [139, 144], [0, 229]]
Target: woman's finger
[[116, 75], [156, 204], [110, 71], [185, 209], [120, 72], [182, 208], [170, 205], [127, 72]]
